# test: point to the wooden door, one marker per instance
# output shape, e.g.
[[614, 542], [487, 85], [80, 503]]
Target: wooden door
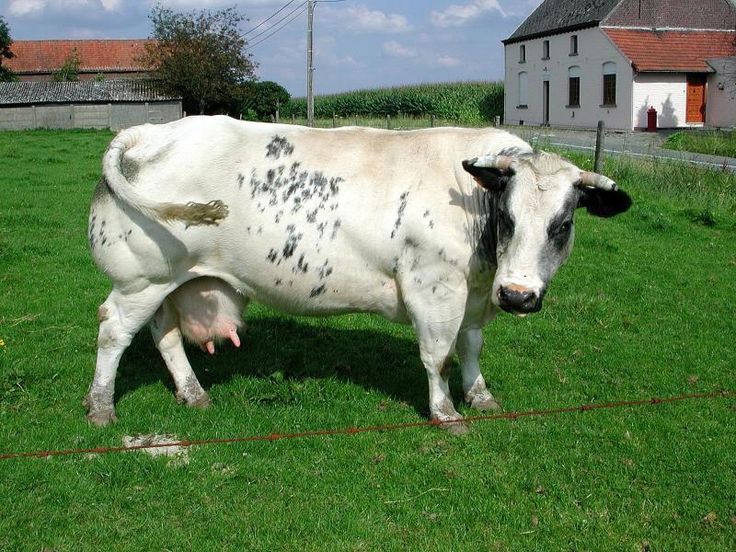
[[695, 99]]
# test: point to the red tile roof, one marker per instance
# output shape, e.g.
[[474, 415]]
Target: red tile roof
[[95, 56], [676, 51]]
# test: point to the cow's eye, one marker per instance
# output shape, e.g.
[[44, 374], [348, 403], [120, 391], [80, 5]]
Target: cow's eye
[[561, 230]]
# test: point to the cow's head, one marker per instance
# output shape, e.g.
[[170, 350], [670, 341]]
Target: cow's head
[[535, 197]]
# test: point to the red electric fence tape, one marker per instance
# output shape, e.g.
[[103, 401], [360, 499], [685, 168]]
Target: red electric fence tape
[[368, 429]]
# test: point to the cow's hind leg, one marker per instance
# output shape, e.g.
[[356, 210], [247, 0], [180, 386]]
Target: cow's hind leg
[[469, 346], [121, 316], [169, 341]]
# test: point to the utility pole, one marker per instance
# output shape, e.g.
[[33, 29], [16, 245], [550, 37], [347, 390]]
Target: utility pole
[[310, 63]]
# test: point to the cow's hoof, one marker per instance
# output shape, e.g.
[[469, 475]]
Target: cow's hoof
[[101, 418], [483, 401], [202, 401], [454, 427]]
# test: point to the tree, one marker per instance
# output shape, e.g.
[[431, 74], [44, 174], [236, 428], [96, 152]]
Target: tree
[[259, 100], [199, 55], [69, 70], [6, 75]]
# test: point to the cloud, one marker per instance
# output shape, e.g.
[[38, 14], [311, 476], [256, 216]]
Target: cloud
[[448, 61], [395, 49], [457, 15], [20, 8], [361, 19], [25, 7]]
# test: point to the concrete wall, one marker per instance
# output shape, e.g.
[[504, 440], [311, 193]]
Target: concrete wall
[[720, 109], [113, 116], [667, 93], [594, 49]]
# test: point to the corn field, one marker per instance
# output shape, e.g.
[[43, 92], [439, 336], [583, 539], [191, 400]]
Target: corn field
[[463, 102]]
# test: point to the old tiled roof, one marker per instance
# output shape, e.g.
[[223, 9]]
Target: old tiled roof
[[95, 56], [555, 16], [680, 51], [674, 14], [112, 91]]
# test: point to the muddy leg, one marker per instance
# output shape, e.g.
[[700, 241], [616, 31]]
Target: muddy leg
[[168, 339], [120, 316]]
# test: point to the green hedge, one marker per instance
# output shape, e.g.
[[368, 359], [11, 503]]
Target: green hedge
[[466, 102]]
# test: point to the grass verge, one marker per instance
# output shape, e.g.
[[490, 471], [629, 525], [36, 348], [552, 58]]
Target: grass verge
[[710, 142]]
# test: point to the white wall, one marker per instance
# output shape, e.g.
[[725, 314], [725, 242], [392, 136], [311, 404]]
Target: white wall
[[594, 49], [667, 93]]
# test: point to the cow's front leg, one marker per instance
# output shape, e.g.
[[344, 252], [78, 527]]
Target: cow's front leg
[[169, 341], [469, 346], [436, 316]]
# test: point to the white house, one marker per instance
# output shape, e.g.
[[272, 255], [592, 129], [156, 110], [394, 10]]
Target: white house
[[572, 63]]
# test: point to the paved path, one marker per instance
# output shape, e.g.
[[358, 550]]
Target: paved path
[[631, 144]]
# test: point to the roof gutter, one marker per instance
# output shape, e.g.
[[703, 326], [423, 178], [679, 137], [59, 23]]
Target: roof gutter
[[563, 30]]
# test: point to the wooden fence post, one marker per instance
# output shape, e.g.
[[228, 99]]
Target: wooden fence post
[[598, 148]]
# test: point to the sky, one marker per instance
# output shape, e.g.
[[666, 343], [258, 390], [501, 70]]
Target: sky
[[357, 43]]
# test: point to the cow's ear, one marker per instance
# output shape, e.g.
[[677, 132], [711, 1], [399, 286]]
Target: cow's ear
[[491, 172], [604, 203]]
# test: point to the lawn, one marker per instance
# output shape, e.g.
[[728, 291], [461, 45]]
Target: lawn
[[711, 142], [645, 307]]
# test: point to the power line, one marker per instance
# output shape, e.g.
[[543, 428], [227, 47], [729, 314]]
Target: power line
[[282, 8], [303, 9], [299, 7]]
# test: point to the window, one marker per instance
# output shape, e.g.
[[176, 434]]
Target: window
[[522, 53], [574, 45], [573, 88], [523, 86], [609, 84], [545, 49]]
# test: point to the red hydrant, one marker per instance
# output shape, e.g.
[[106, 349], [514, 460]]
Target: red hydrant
[[651, 119]]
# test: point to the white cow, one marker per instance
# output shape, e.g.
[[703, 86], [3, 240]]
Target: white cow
[[192, 219]]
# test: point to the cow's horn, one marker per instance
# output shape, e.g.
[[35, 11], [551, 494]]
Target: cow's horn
[[501, 162], [595, 180]]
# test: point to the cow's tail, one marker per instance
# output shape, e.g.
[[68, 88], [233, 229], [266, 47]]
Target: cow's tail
[[191, 214]]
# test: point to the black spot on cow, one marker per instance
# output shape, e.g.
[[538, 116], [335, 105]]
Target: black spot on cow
[[317, 291], [272, 255], [279, 146], [301, 267], [325, 270], [335, 227], [277, 282], [402, 207], [241, 181], [292, 241]]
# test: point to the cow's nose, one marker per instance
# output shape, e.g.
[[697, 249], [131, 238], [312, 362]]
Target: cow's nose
[[518, 300]]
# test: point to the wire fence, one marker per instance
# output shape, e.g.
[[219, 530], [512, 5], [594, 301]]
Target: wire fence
[[373, 429]]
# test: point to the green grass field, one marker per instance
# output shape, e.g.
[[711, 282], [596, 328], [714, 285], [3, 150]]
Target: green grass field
[[645, 307]]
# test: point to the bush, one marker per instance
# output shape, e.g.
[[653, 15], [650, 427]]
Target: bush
[[258, 100]]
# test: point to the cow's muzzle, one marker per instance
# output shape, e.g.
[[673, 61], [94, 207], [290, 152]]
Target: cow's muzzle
[[519, 300]]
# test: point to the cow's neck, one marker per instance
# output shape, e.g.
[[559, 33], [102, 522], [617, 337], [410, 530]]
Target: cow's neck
[[481, 207]]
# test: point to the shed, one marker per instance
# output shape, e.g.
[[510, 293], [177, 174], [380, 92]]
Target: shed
[[113, 104]]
